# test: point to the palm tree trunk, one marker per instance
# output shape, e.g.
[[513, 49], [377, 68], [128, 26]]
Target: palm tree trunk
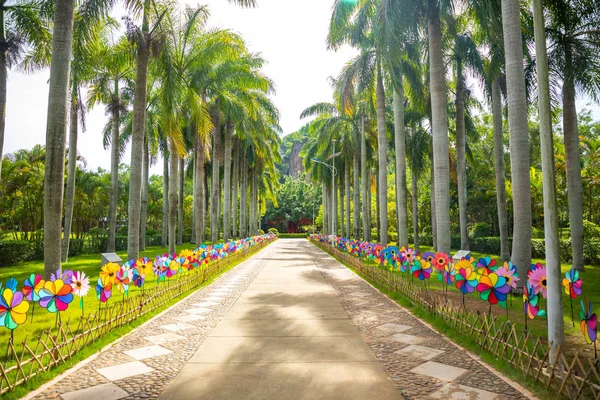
[[252, 224], [244, 195], [461, 166], [377, 206], [206, 203], [433, 209], [415, 208], [356, 187], [347, 189], [382, 158], [439, 129], [144, 210], [556, 328], [165, 199], [341, 206], [215, 182], [227, 183], [500, 174], [3, 86], [519, 135], [194, 189], [325, 196], [573, 161], [333, 215], [71, 174], [180, 202], [137, 140], [200, 193], [365, 181], [56, 126], [173, 209], [236, 184], [114, 172], [400, 147]]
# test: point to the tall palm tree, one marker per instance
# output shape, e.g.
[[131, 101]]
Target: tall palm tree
[[56, 126], [22, 24], [556, 327], [418, 144], [519, 134], [106, 88], [574, 47], [89, 34]]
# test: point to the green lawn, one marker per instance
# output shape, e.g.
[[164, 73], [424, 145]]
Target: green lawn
[[90, 265], [574, 337]]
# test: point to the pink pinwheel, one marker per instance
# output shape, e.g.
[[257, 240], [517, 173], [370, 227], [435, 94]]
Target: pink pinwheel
[[589, 322], [80, 284], [510, 274], [537, 278]]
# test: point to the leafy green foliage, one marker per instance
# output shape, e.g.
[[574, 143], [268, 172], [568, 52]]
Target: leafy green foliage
[[297, 200]]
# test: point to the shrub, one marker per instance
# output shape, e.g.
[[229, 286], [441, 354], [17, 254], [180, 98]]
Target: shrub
[[480, 229], [292, 235], [590, 230], [76, 247], [14, 251], [537, 233], [274, 231]]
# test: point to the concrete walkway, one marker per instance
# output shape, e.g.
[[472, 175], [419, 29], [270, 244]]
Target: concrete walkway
[[286, 337]]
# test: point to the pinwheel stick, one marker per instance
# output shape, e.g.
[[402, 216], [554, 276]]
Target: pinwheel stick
[[32, 311], [573, 313], [81, 304], [490, 310]]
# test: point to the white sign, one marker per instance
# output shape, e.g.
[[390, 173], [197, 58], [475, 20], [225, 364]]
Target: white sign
[[111, 258], [461, 254]]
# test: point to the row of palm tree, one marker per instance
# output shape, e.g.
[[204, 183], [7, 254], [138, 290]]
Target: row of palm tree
[[171, 86], [398, 83]]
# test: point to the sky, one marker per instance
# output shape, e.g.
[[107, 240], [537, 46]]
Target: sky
[[289, 35]]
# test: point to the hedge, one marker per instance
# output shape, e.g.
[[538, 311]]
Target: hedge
[[14, 251], [292, 235]]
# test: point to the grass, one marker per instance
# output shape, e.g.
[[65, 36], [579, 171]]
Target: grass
[[44, 320], [440, 325]]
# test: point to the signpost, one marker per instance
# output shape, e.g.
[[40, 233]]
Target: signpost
[[460, 255], [111, 258]]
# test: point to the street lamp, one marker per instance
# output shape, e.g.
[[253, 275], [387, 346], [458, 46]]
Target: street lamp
[[334, 173]]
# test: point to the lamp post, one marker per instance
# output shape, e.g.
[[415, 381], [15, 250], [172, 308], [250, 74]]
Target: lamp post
[[334, 174]]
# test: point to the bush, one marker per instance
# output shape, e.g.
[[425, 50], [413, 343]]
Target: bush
[[537, 233], [274, 231], [590, 230], [76, 247], [14, 251], [292, 235], [480, 229]]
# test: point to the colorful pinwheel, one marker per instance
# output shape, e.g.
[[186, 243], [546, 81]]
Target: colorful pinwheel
[[143, 267], [537, 278], [531, 303], [80, 284], [589, 322], [13, 307], [122, 280], [421, 269], [66, 277], [486, 266], [137, 279], [466, 278], [56, 296], [31, 290], [572, 283], [103, 290], [493, 289]]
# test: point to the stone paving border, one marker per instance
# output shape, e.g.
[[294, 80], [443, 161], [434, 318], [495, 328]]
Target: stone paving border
[[420, 361], [150, 376]]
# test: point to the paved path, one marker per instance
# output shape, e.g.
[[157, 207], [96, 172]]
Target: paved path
[[289, 323]]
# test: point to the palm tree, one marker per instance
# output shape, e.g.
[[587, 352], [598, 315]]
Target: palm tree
[[56, 133], [106, 88], [519, 134], [465, 55], [22, 24], [556, 327], [418, 144], [574, 47]]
